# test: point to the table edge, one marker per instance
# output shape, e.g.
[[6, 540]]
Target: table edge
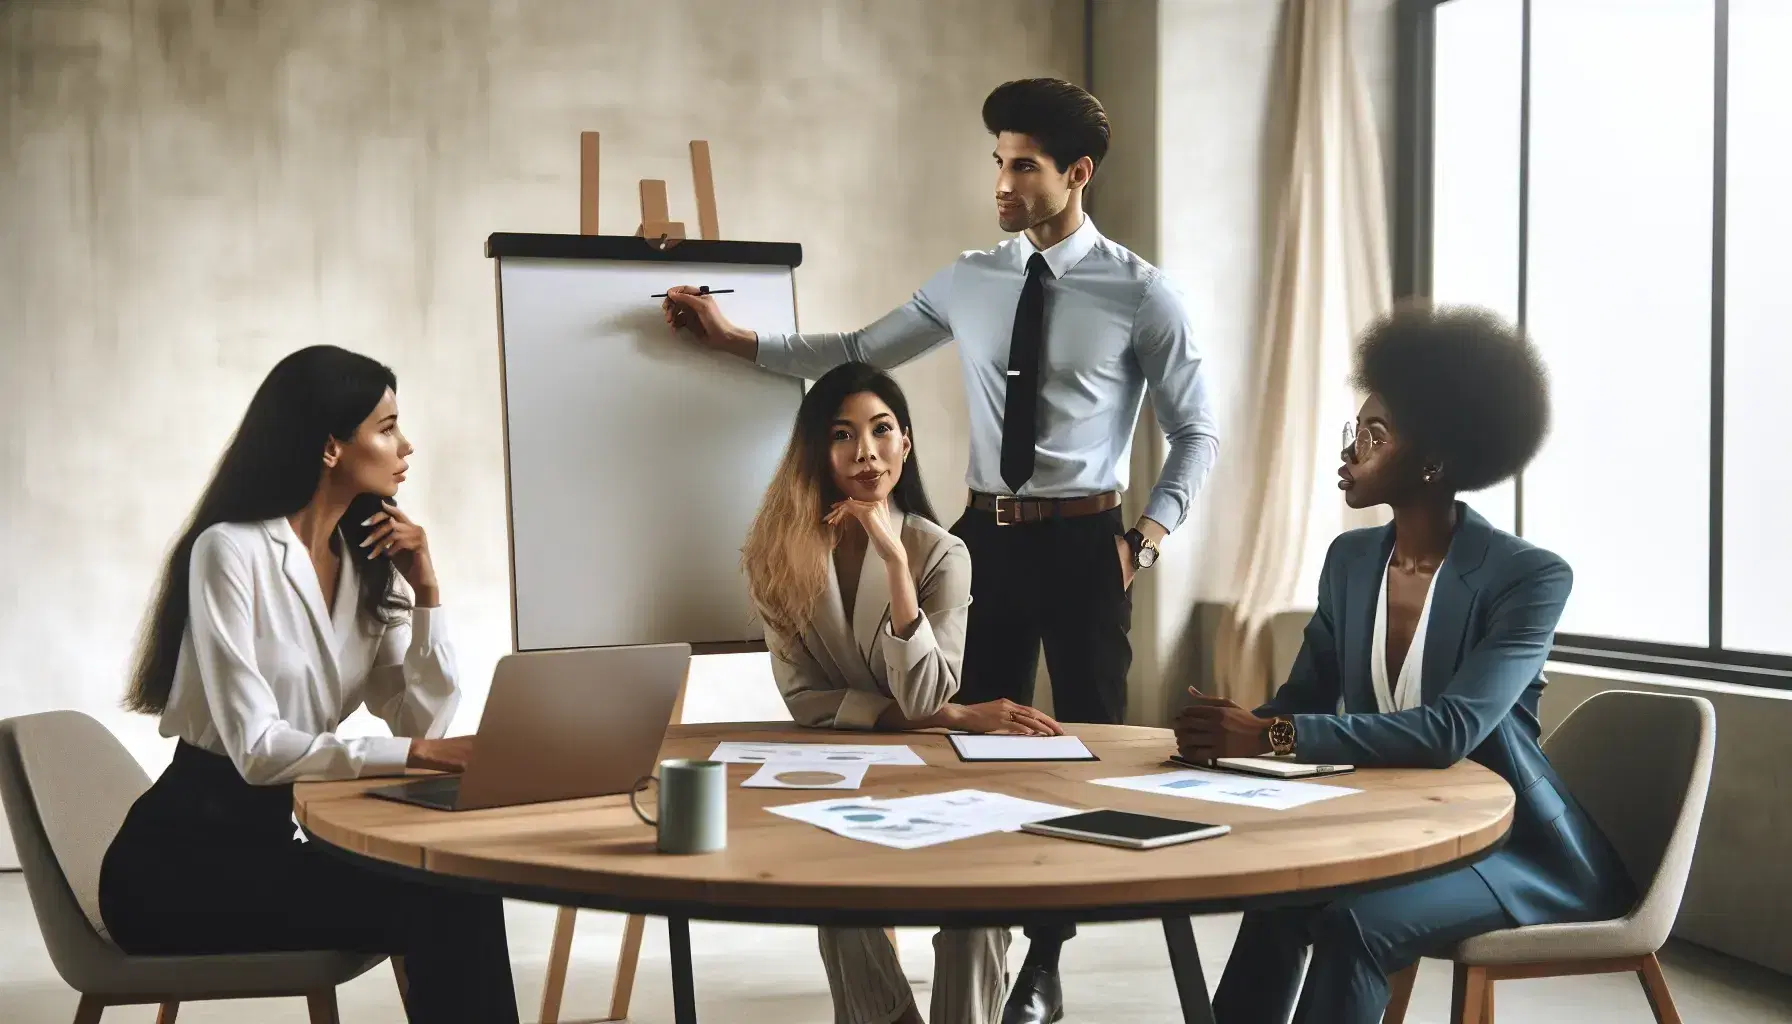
[[751, 900], [1010, 917]]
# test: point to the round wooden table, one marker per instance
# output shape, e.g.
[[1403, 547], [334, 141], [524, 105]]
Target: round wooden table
[[1403, 825]]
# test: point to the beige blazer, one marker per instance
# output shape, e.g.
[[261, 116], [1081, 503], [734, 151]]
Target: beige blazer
[[843, 676]]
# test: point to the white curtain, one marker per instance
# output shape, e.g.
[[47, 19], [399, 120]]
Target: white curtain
[[1328, 277]]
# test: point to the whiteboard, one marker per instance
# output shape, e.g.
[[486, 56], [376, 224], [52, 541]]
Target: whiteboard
[[635, 458]]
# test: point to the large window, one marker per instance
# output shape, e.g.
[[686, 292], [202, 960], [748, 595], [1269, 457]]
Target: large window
[[1613, 175]]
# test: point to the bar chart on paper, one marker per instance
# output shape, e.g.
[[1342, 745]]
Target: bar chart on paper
[[1197, 784]]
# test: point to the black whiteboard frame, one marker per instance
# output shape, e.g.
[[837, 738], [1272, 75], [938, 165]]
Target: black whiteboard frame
[[512, 245], [502, 245]]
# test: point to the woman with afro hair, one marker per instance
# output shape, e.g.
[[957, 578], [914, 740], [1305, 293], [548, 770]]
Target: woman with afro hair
[[1427, 648]]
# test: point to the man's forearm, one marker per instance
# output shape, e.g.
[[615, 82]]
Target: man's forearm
[[1190, 459], [903, 334], [743, 343]]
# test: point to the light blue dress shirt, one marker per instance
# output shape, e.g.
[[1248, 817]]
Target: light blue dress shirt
[[1114, 330]]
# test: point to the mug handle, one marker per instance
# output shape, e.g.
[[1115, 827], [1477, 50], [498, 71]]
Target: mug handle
[[634, 792]]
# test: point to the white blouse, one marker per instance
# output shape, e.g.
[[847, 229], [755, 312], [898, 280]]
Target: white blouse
[[268, 671], [1406, 691]]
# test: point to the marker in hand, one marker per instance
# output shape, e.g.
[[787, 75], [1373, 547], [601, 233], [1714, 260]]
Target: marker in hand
[[1203, 700], [701, 291]]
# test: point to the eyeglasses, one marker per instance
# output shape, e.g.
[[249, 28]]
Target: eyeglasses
[[1359, 442]]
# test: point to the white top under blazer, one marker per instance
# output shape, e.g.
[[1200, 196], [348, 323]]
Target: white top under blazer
[[267, 672], [1407, 690]]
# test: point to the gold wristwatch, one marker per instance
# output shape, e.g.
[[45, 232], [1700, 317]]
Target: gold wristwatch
[[1281, 735]]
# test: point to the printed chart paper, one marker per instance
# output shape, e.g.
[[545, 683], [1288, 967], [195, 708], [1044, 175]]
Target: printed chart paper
[[734, 752], [806, 775], [909, 823], [1019, 748], [1219, 787]]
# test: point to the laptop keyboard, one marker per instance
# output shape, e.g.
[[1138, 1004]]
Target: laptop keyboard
[[442, 793]]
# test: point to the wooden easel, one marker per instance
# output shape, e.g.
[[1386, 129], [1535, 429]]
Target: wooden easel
[[656, 220], [658, 228]]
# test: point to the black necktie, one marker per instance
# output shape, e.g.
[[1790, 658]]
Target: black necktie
[[1020, 412]]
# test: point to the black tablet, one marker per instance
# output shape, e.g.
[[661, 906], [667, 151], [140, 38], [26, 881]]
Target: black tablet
[[1124, 828]]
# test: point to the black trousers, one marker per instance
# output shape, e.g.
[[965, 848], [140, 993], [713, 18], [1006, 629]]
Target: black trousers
[[1054, 584], [1057, 585], [206, 863]]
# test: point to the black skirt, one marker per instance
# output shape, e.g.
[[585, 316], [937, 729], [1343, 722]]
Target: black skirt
[[206, 863]]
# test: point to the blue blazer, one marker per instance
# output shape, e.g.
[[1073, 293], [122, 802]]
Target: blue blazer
[[1493, 615]]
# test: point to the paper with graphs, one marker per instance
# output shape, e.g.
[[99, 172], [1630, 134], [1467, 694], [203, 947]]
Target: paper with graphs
[[804, 775], [734, 752], [1220, 787], [911, 822]]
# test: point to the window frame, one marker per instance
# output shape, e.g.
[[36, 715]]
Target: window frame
[[1415, 109]]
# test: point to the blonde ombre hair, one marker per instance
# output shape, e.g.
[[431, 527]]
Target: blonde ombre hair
[[785, 558]]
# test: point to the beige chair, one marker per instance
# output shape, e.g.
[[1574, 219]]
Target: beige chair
[[1287, 631], [66, 784], [1640, 764]]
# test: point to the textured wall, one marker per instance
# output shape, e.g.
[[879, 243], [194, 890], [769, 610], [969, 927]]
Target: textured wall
[[190, 190], [1187, 191], [1218, 59]]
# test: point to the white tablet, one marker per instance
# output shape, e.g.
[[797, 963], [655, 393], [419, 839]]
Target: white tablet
[[1124, 828], [1274, 767]]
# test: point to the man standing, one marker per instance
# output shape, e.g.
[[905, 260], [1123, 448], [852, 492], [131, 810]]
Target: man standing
[[1061, 333]]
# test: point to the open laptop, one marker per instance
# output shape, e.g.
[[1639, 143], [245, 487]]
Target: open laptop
[[560, 725]]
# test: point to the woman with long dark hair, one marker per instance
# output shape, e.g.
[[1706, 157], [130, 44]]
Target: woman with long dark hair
[[297, 593], [864, 597]]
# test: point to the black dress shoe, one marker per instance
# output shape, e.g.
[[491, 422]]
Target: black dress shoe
[[1037, 998]]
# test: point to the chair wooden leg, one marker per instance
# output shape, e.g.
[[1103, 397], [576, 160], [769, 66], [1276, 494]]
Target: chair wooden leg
[[623, 988], [1487, 1007], [322, 1005], [554, 987], [890, 933], [167, 1013], [90, 1009], [1655, 986], [1468, 995], [1400, 995]]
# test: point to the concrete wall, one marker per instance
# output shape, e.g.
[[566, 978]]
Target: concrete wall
[[189, 190], [1739, 896], [1217, 59], [1126, 201], [1190, 196]]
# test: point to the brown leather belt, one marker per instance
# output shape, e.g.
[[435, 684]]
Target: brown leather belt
[[1010, 510]]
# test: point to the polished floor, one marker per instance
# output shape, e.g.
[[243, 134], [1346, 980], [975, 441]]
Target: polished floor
[[759, 975]]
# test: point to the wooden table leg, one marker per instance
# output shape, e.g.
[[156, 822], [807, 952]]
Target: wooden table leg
[[553, 987], [622, 989], [684, 992], [1185, 965]]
